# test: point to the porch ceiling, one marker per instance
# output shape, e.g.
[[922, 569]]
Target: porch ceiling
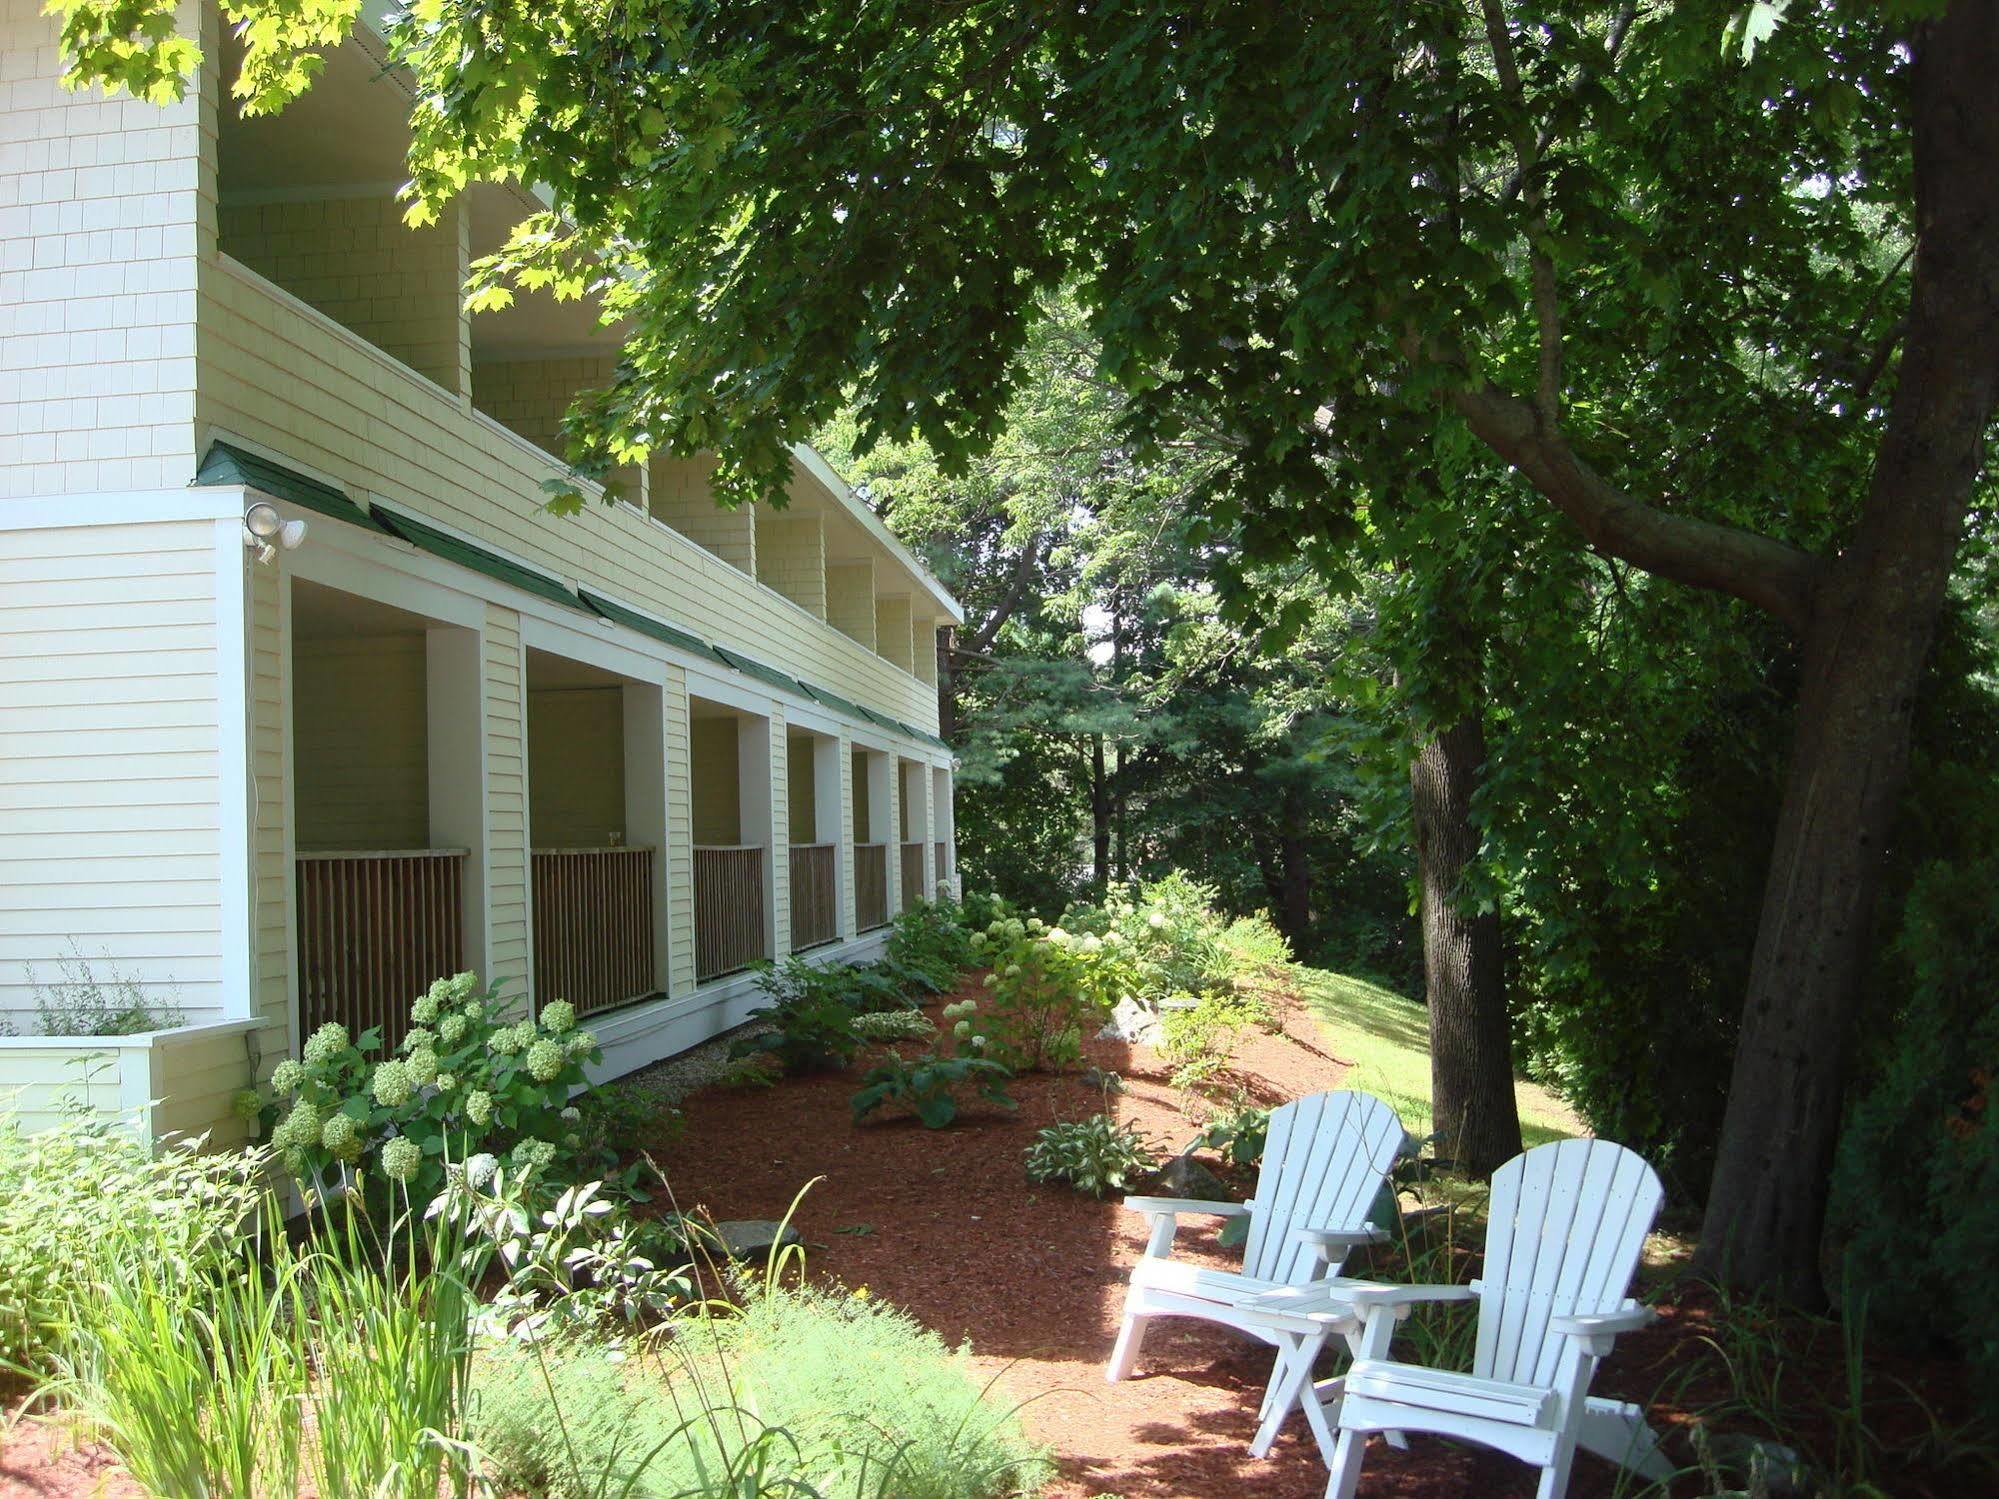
[[322, 613]]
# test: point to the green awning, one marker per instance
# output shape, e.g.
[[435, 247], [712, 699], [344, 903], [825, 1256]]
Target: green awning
[[664, 633], [468, 554], [832, 700], [230, 465], [770, 676]]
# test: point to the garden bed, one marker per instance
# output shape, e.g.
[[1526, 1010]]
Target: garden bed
[[945, 1224]]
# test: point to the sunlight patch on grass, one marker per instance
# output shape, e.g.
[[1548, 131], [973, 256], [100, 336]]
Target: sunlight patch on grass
[[1386, 1038]]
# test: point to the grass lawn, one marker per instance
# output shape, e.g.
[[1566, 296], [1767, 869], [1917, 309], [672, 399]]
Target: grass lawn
[[1386, 1039]]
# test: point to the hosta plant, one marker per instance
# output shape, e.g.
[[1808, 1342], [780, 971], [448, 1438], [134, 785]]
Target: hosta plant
[[1095, 1155], [468, 1080], [894, 1025]]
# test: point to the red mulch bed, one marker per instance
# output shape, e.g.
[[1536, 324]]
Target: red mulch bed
[[1033, 1278]]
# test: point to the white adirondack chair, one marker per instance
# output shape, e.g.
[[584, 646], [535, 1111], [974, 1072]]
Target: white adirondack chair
[[1567, 1223], [1324, 1162]]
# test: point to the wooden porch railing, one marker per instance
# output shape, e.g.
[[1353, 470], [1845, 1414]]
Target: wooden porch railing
[[374, 930], [914, 886], [815, 906], [940, 865], [870, 885], [728, 909], [593, 926]]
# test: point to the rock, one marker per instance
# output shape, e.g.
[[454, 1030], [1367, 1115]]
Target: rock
[[753, 1238], [1740, 1454], [1183, 1176], [1131, 1022]]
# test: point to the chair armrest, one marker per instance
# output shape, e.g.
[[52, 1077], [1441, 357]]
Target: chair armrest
[[1367, 1298], [1177, 1205], [1628, 1318], [1339, 1238]]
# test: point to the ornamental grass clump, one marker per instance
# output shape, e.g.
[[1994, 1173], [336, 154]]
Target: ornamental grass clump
[[468, 1079], [800, 1391]]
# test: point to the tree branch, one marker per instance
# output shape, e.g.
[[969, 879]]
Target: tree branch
[[1773, 575], [1016, 593], [1547, 301]]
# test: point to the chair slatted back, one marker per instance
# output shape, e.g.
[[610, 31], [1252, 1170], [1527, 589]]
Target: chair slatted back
[[1567, 1223], [1323, 1164]]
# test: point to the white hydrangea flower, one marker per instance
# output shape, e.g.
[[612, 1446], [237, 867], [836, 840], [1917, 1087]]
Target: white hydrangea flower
[[580, 1043], [510, 1040], [446, 1081], [326, 1043], [422, 1066], [572, 1114], [288, 1076], [424, 1011], [479, 1107], [978, 1043], [991, 979], [545, 1061], [452, 1028], [1156, 920], [558, 1017], [393, 1085], [401, 1158], [962, 1029], [420, 1039], [479, 1170], [341, 1138]]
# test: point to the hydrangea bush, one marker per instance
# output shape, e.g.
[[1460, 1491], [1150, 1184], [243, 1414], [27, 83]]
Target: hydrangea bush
[[469, 1081], [1050, 986]]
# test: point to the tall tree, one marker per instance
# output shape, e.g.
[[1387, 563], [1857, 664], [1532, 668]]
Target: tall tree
[[1618, 253]]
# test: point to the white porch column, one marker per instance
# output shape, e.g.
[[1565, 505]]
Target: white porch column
[[846, 832], [916, 787], [944, 831], [829, 817], [646, 733], [883, 821], [454, 691], [677, 893], [761, 811]]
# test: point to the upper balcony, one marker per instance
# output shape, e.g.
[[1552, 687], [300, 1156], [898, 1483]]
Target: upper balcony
[[332, 335]]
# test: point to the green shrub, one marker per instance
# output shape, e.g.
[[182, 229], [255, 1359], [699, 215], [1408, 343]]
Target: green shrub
[[1915, 1188], [894, 1025], [811, 1016], [804, 1392], [929, 947], [1208, 1027], [1239, 1135], [62, 1192], [1050, 987], [928, 1086], [1095, 1155], [468, 1080]]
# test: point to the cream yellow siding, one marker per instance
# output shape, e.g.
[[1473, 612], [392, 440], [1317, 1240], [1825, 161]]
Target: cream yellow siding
[[679, 497], [850, 600], [892, 630], [679, 833], [110, 789], [354, 259], [103, 202], [717, 796], [506, 801], [270, 867], [791, 558], [361, 743], [799, 761], [530, 397], [576, 762]]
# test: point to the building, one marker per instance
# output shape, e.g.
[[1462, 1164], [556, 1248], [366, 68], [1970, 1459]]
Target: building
[[611, 758]]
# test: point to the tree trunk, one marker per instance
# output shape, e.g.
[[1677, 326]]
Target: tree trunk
[[1872, 618], [1100, 811], [1294, 916], [947, 684], [1471, 1045]]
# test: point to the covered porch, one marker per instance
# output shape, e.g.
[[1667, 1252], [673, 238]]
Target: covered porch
[[734, 895]]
